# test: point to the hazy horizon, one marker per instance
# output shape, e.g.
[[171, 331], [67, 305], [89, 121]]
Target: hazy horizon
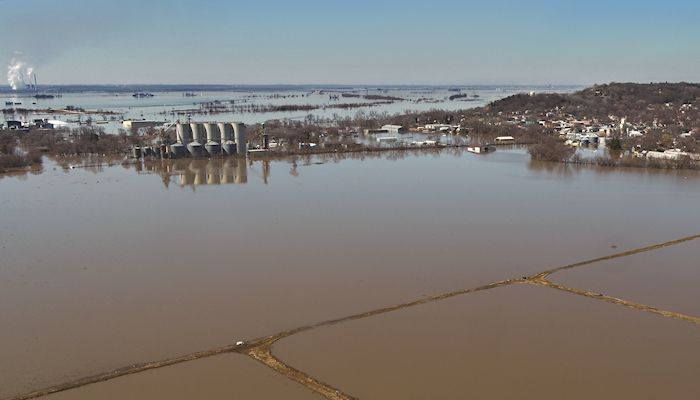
[[325, 84]]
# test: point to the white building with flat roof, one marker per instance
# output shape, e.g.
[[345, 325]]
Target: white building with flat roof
[[394, 129]]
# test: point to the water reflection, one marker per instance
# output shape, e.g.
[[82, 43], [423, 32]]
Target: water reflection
[[21, 175], [568, 170], [555, 168], [195, 172], [94, 163], [189, 172], [217, 171], [198, 172]]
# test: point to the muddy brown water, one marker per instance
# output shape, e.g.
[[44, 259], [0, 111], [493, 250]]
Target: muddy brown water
[[229, 376], [106, 267], [667, 278], [522, 341]]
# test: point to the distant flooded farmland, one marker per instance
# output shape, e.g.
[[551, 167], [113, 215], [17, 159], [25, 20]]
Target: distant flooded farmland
[[103, 267], [106, 107]]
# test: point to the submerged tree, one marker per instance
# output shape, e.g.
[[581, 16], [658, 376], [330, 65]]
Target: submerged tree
[[551, 149]]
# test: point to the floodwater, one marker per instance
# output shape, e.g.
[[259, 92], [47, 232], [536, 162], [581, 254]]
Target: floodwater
[[668, 278], [230, 376], [168, 106], [516, 342], [103, 267]]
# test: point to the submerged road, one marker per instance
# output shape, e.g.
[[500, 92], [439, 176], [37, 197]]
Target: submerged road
[[260, 349]]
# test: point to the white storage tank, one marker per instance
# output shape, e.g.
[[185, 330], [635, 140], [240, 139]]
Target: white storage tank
[[229, 147], [239, 134], [178, 150], [196, 149], [198, 134], [213, 148], [212, 130], [184, 133], [225, 131]]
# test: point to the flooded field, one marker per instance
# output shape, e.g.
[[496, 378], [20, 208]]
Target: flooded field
[[510, 342], [168, 106], [105, 267], [667, 278], [221, 377]]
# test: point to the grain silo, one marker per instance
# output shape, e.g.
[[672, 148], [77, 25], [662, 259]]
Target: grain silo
[[228, 146], [213, 137], [226, 131], [239, 134], [196, 147], [184, 133]]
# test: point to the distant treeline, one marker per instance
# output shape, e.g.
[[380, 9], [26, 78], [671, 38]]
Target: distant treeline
[[219, 108]]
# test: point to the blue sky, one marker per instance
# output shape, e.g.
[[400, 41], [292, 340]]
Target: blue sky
[[353, 42]]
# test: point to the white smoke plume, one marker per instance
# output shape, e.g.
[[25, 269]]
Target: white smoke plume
[[17, 71]]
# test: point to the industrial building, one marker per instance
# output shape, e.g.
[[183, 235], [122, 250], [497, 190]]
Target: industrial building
[[199, 139], [394, 129], [387, 129], [139, 124]]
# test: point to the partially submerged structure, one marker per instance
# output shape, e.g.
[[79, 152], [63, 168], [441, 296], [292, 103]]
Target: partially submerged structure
[[199, 139], [480, 148]]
